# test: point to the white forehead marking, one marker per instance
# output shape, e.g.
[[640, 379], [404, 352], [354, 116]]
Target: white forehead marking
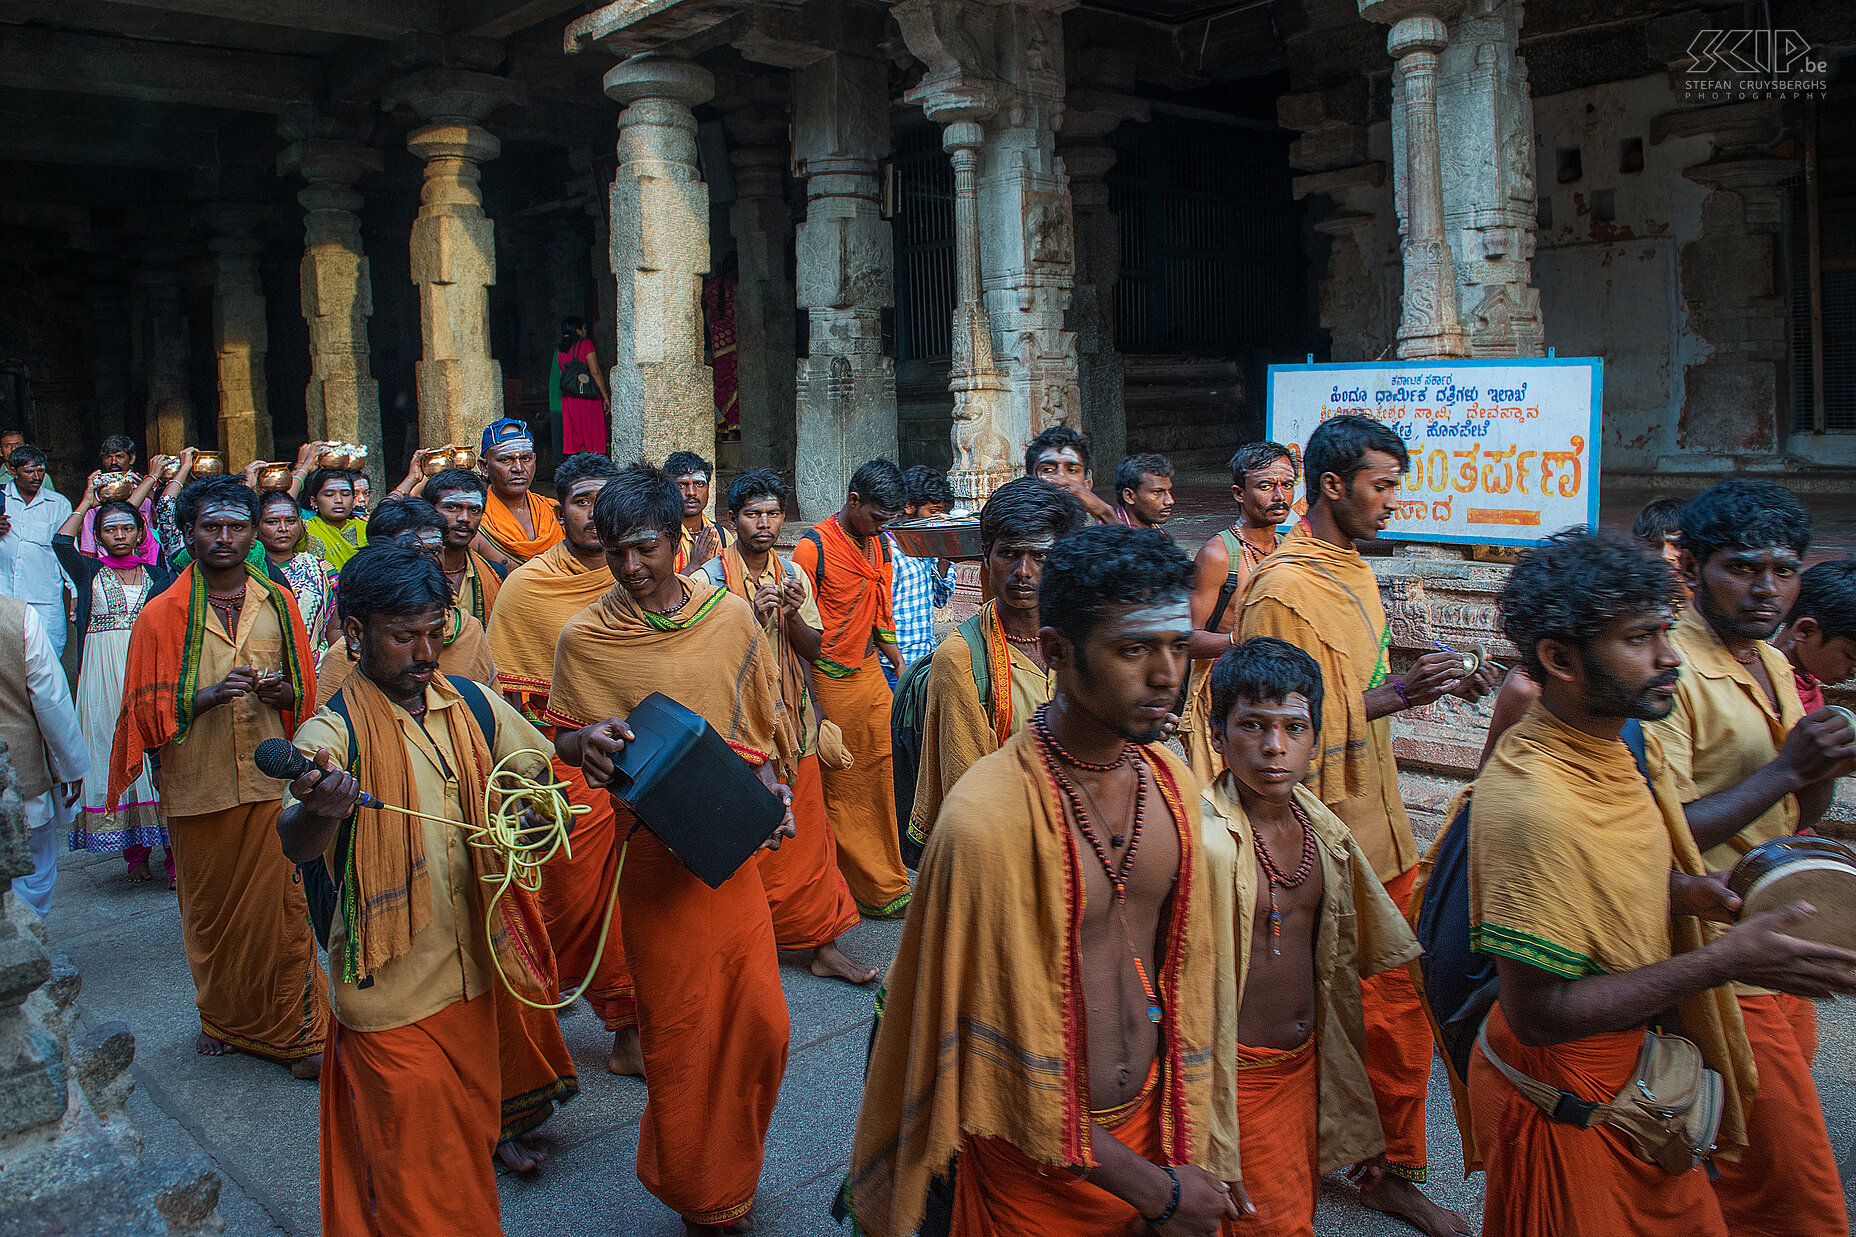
[[461, 498], [1173, 614]]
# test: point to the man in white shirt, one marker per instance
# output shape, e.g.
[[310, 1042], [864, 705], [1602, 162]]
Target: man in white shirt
[[29, 569], [39, 724]]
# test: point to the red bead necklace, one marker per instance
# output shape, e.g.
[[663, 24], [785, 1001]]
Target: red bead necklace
[[1274, 875]]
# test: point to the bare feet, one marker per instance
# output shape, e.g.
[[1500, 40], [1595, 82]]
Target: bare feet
[[522, 1155], [207, 1046], [1398, 1197], [830, 962], [308, 1069], [139, 873], [627, 1053]]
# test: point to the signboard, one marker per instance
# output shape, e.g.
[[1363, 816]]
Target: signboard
[[1502, 452]]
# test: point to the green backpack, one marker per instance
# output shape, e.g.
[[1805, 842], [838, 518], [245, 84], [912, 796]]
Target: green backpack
[[909, 711]]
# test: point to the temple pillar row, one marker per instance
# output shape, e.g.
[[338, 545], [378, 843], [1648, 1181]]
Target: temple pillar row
[[240, 336], [761, 223]]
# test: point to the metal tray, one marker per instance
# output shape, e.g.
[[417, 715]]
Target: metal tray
[[939, 537]]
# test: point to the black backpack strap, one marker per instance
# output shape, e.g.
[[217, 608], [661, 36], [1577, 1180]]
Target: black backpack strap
[[478, 704], [818, 574], [1633, 736]]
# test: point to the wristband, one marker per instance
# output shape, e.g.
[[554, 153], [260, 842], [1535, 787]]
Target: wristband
[[1398, 685], [1172, 1203]]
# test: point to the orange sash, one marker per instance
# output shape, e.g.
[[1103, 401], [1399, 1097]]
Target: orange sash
[[501, 529]]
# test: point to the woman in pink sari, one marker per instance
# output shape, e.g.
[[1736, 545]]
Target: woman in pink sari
[[583, 391]]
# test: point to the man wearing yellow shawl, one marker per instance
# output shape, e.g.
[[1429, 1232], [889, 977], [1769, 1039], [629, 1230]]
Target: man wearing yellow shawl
[[711, 1016], [1586, 887], [517, 523], [541, 595], [411, 1083], [1749, 767], [1046, 1024], [1019, 524], [1317, 593], [218, 663]]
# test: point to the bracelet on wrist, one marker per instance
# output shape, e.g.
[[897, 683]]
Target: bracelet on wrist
[[1398, 685], [1172, 1203]]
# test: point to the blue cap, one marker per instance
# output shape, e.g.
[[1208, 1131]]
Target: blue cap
[[504, 432]]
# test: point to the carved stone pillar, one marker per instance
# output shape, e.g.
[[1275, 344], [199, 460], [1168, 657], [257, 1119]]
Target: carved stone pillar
[[762, 225], [165, 343], [454, 248], [1428, 323], [663, 395], [1485, 127], [846, 262], [240, 337], [342, 398]]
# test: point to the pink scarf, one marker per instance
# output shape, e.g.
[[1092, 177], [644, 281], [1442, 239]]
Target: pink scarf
[[144, 555]]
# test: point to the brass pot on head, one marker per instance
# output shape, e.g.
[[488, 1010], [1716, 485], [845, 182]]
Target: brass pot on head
[[208, 464], [273, 476], [463, 457], [115, 487], [437, 459], [169, 469], [335, 455]]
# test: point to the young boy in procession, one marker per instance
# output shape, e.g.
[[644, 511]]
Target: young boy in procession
[[1298, 920], [459, 495], [701, 538], [1819, 636]]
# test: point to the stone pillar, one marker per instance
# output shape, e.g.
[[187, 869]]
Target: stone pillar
[[240, 337], [342, 398], [663, 395], [1485, 120], [454, 248], [762, 225], [846, 263], [165, 343], [1428, 323]]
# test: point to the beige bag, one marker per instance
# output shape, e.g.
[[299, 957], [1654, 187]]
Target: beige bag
[[1669, 1111], [832, 754]]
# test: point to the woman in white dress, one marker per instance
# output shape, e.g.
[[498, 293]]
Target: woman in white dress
[[111, 590]]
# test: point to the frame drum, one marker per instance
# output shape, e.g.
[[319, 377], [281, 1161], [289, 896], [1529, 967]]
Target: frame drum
[[1802, 869]]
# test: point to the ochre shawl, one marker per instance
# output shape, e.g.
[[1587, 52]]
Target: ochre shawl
[[536, 601], [710, 657], [853, 593], [163, 671], [501, 530], [481, 587], [794, 689], [982, 1029], [956, 731]]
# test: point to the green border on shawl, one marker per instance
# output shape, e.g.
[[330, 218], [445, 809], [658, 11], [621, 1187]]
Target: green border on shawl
[[665, 622], [1493, 938]]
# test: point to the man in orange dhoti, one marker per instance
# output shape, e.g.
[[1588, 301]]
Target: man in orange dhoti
[[1046, 1025], [1298, 918], [218, 663], [410, 1089], [1019, 524], [1749, 767], [711, 1016], [1587, 888], [576, 890], [1263, 483], [847, 560], [518, 524], [811, 904], [1317, 593]]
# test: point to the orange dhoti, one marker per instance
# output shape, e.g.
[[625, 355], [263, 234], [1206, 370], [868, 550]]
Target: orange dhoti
[[806, 892], [245, 925], [409, 1127], [861, 800], [574, 895], [712, 1023], [1785, 1182], [999, 1191], [1398, 1054], [1278, 1105], [1802, 1014], [1550, 1179], [537, 1072]]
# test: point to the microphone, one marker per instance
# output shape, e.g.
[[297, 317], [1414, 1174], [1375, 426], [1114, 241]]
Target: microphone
[[279, 758]]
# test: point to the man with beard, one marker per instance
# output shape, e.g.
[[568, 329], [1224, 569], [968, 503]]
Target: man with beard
[[1144, 491], [1019, 526], [458, 494], [812, 905], [1263, 483], [409, 1093], [1317, 593], [518, 524], [1749, 766], [702, 538], [1046, 1024], [1588, 889], [711, 1014], [218, 663], [540, 596]]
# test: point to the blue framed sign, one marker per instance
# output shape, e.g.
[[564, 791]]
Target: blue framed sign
[[1503, 452]]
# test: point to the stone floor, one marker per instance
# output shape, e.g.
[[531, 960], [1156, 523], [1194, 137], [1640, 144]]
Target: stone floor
[[257, 1125]]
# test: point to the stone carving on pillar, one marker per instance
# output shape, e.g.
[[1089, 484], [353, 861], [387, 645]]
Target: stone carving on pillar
[[846, 385], [342, 398], [240, 337], [1485, 125], [1428, 324], [762, 224], [454, 247], [663, 395], [165, 345]]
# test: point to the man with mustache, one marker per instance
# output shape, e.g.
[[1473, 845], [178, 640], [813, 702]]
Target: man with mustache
[[1588, 890], [518, 524], [1317, 593], [1740, 750], [1263, 483]]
